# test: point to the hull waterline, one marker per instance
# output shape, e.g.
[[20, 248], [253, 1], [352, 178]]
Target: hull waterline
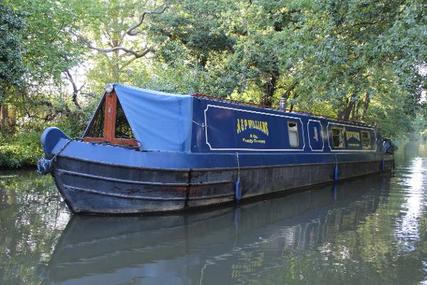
[[100, 188]]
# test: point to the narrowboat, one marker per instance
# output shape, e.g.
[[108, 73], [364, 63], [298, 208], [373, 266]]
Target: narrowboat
[[145, 151]]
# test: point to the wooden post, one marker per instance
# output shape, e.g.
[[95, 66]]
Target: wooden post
[[110, 116]]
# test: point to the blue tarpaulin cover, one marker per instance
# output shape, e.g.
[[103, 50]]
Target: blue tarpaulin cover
[[159, 121]]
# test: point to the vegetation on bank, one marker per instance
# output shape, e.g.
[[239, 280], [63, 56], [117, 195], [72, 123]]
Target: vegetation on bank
[[353, 60], [21, 150]]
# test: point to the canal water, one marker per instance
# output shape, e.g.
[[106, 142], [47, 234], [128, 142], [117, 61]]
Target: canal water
[[366, 231]]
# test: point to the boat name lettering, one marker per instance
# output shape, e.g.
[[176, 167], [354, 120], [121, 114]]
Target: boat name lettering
[[244, 124]]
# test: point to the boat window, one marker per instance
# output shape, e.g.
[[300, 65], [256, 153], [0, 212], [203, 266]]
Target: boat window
[[353, 139], [96, 128], [123, 129], [293, 134], [338, 137], [366, 140]]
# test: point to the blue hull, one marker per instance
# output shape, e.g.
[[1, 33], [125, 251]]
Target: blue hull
[[132, 182]]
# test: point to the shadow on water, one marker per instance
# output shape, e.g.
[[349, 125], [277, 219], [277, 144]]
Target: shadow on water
[[224, 246]]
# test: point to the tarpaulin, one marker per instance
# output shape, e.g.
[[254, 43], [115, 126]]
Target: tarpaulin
[[159, 121]]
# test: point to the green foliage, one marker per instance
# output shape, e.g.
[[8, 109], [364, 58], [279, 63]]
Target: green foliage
[[49, 47], [330, 57], [103, 29], [11, 62], [351, 60], [22, 150], [359, 53], [47, 51]]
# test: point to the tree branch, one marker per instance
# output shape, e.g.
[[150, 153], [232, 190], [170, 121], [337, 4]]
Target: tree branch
[[76, 90], [131, 31], [136, 54]]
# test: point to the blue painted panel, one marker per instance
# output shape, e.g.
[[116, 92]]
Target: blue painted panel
[[231, 128], [220, 134]]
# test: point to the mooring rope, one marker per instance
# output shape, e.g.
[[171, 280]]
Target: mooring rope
[[202, 125], [238, 165], [44, 165]]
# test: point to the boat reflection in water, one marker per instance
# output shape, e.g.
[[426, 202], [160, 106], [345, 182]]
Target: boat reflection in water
[[222, 246]]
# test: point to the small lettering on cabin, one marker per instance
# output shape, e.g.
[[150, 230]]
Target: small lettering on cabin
[[253, 138]]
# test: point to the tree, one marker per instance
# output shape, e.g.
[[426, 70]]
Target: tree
[[189, 39], [359, 49], [229, 47], [115, 34], [11, 58], [48, 52]]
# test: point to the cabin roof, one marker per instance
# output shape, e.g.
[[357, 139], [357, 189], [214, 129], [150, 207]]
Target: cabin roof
[[170, 97], [176, 97], [257, 106], [162, 121]]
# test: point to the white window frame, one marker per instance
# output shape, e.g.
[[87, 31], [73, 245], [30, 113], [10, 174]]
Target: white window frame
[[294, 130]]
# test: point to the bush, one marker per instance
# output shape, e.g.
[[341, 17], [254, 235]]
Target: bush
[[21, 150]]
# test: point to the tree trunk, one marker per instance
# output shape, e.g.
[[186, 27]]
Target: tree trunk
[[7, 118], [4, 117], [269, 89], [115, 59], [366, 105], [76, 90], [350, 104], [12, 118], [345, 114], [287, 94], [291, 109]]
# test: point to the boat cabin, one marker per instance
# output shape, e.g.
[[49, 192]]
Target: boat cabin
[[157, 121]]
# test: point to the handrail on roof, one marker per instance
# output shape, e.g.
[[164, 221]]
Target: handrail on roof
[[201, 95]]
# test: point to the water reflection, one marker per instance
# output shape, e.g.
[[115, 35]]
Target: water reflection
[[224, 246], [407, 229], [31, 220], [367, 231]]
